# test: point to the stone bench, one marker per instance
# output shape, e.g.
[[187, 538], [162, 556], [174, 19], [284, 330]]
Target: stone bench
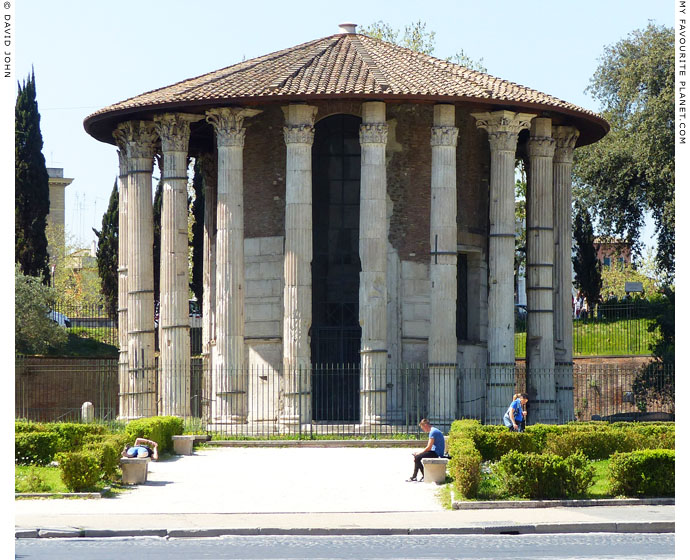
[[435, 470], [135, 470], [183, 445]]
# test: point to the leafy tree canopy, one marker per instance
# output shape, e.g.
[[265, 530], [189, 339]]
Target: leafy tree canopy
[[631, 170], [417, 38], [34, 332]]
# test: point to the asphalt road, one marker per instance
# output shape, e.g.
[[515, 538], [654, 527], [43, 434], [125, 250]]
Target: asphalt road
[[575, 546]]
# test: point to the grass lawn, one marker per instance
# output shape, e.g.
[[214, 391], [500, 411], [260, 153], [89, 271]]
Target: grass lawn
[[35, 479], [38, 479], [602, 337], [83, 346]]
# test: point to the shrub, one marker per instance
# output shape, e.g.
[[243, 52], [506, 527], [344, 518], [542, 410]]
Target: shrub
[[643, 473], [71, 434], [594, 444], [465, 462], [21, 426], [108, 453], [160, 429], [493, 442], [35, 448], [532, 475], [79, 470]]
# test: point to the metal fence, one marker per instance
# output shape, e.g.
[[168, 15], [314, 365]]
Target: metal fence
[[611, 329], [89, 321], [332, 400]]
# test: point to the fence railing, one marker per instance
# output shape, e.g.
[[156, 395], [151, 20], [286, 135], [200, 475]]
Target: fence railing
[[609, 330], [261, 401]]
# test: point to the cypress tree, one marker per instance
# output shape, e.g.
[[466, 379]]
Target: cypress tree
[[157, 208], [197, 241], [107, 253], [585, 263], [32, 191]]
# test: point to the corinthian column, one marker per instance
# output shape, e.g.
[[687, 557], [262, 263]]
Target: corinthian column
[[230, 373], [174, 359], [503, 128], [299, 137], [566, 137], [140, 140], [541, 384], [125, 400], [443, 344], [373, 134]]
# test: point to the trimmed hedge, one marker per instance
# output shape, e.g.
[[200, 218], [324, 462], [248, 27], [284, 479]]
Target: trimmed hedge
[[650, 472], [160, 429], [493, 442], [35, 448], [594, 444], [544, 475], [465, 462]]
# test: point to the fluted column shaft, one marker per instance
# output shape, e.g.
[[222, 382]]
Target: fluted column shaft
[[174, 360], [373, 135], [141, 140], [230, 388], [566, 137], [209, 170], [125, 403], [540, 265], [297, 292], [503, 128], [443, 344]]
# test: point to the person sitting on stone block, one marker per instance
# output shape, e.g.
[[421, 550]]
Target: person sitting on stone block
[[141, 449], [435, 448]]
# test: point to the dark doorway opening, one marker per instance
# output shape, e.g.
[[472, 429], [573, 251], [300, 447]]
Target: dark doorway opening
[[335, 333]]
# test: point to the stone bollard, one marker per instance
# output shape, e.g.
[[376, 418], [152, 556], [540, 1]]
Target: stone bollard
[[435, 470], [134, 470], [183, 445], [87, 412]]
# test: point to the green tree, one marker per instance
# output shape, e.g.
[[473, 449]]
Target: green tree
[[31, 190], [197, 235], [34, 332], [75, 273], [107, 253], [585, 263], [631, 170], [415, 37]]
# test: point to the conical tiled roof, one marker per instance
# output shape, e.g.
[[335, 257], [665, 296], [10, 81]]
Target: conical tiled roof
[[347, 64]]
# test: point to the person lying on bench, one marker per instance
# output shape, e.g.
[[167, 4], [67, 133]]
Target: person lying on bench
[[141, 449]]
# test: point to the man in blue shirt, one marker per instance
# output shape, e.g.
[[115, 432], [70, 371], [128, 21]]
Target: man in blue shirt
[[434, 448], [513, 418]]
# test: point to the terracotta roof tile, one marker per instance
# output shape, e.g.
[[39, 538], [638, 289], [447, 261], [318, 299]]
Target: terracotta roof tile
[[340, 65]]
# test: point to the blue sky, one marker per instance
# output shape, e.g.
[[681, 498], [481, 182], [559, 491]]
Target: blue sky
[[87, 55]]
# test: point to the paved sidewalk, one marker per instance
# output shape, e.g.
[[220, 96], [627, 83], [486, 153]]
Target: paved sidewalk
[[304, 491]]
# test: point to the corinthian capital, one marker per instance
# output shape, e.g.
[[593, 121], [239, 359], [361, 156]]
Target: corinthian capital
[[173, 129], [373, 133], [503, 127], [444, 136], [228, 123], [138, 138], [566, 138], [299, 134]]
